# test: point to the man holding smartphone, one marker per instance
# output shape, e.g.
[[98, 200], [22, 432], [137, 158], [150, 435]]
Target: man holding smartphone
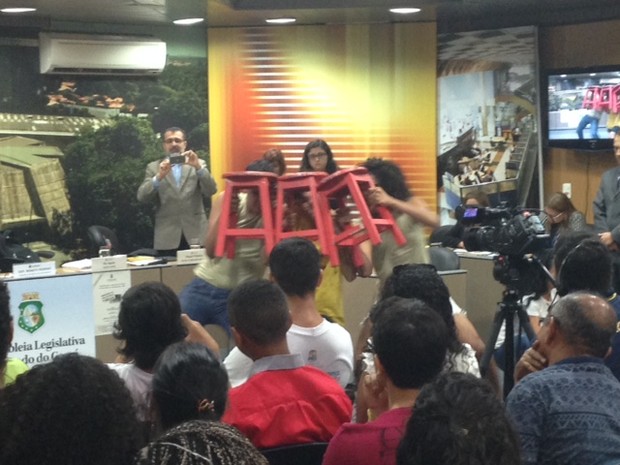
[[180, 185]]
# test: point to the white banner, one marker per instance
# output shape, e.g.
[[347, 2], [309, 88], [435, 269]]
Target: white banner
[[52, 316]]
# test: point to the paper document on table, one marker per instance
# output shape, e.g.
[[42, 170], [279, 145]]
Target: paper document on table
[[144, 260], [81, 265]]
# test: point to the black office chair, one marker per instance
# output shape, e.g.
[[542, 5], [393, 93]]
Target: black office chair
[[444, 259], [101, 236], [296, 454]]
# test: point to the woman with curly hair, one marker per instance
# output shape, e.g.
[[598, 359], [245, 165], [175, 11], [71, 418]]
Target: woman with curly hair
[[458, 419], [72, 411], [410, 212], [201, 443]]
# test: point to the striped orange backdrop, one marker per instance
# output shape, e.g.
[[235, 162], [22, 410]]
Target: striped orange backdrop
[[368, 90]]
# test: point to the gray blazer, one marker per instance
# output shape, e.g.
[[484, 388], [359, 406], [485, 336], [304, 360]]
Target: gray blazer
[[607, 204], [180, 209]]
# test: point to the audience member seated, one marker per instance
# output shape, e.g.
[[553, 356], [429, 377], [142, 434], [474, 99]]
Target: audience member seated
[[150, 320], [283, 402], [458, 420], [409, 341], [561, 216], [72, 410], [189, 383], [420, 282], [569, 412], [10, 368], [295, 266], [580, 263], [535, 305], [201, 443]]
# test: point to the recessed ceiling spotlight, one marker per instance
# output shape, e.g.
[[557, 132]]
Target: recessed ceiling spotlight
[[405, 11], [188, 21], [280, 20], [17, 10]]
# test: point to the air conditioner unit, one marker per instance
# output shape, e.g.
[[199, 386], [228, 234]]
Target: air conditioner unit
[[100, 55]]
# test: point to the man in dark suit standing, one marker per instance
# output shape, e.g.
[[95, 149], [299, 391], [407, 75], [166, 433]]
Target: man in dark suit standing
[[180, 185], [607, 212]]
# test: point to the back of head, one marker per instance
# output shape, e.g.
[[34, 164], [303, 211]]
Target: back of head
[[258, 310], [261, 165], [71, 410], [420, 281], [5, 325], [388, 176], [189, 383], [587, 323], [149, 321], [201, 443], [458, 420], [410, 340], [582, 265], [295, 264]]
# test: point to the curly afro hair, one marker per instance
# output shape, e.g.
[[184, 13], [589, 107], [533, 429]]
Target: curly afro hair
[[72, 411]]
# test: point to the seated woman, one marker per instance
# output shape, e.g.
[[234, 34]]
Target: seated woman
[[562, 216], [190, 391], [72, 410], [458, 419]]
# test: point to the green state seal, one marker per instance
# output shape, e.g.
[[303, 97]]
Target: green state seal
[[31, 315]]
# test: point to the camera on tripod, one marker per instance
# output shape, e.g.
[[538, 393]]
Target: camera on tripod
[[512, 234]]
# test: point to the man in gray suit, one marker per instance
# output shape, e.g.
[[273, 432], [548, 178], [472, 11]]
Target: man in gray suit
[[180, 184], [607, 212]]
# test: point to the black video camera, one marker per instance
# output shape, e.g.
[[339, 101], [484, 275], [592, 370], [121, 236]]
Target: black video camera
[[504, 231]]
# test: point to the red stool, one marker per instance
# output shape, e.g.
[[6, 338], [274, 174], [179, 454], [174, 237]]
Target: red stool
[[591, 97], [604, 103], [355, 182], [228, 232], [290, 188], [615, 99]]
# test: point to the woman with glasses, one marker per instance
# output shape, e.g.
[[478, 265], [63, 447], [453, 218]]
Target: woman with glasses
[[318, 157], [562, 216]]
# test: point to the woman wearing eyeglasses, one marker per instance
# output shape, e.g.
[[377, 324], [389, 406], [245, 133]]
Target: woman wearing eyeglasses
[[562, 216], [318, 157]]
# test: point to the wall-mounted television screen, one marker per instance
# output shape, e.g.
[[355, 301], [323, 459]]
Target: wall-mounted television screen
[[582, 107]]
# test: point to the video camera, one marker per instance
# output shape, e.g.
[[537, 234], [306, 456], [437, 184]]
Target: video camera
[[503, 230], [512, 234]]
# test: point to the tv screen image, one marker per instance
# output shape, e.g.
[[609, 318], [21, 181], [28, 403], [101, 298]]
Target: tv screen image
[[583, 108]]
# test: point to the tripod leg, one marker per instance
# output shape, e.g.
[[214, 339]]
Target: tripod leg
[[490, 346]]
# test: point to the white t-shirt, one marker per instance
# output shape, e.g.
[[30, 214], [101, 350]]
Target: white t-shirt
[[327, 347], [139, 384]]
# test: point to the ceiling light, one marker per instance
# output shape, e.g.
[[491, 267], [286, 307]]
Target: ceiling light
[[280, 20], [17, 10], [187, 21], [405, 11]]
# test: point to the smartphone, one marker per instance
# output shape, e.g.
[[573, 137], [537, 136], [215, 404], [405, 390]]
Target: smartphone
[[177, 159]]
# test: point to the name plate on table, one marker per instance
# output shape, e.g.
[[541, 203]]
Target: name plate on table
[[190, 257], [34, 270], [116, 262]]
